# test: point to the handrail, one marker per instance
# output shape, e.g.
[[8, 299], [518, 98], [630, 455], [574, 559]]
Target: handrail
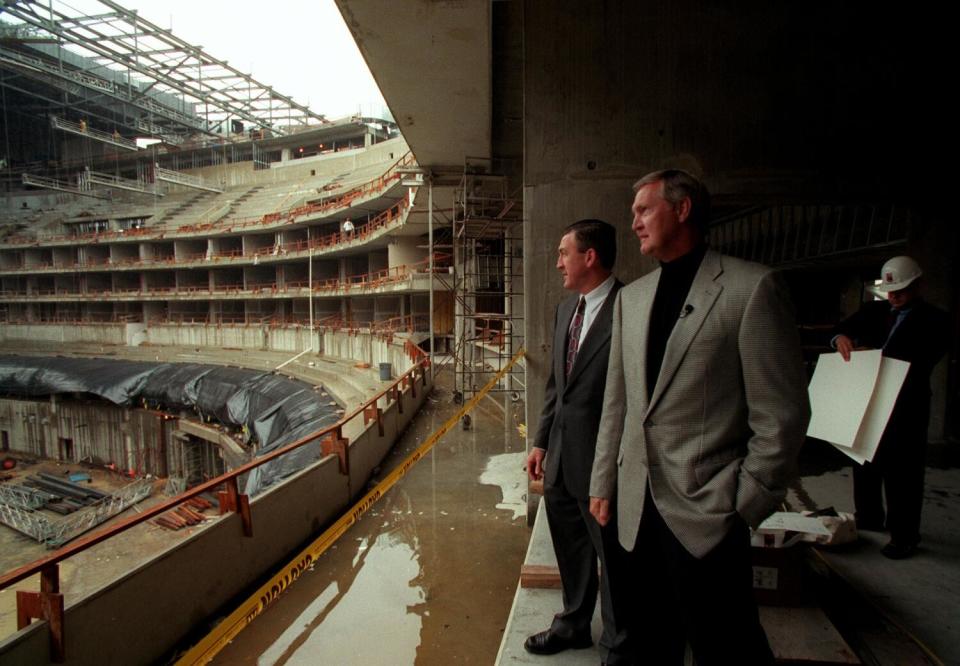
[[370, 280], [383, 220], [270, 220], [83, 543]]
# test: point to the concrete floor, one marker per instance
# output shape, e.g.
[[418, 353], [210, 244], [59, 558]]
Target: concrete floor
[[920, 596], [428, 575]]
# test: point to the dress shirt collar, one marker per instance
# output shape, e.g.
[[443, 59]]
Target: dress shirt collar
[[596, 296], [593, 301]]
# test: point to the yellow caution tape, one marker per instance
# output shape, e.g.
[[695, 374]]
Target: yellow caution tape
[[204, 651]]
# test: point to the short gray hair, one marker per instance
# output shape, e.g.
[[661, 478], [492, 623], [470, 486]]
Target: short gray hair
[[678, 185]]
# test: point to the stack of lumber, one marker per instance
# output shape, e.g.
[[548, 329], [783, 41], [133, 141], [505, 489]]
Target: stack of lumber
[[186, 515]]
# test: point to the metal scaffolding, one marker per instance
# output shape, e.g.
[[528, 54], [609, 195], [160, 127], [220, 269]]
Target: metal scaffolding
[[487, 281], [19, 512], [77, 523], [160, 81]]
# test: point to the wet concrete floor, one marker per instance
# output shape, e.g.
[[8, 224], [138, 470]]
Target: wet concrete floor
[[428, 575]]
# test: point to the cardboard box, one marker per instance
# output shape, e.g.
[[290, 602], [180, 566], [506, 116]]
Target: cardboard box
[[778, 575]]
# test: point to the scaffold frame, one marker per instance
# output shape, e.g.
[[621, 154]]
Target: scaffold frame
[[487, 282]]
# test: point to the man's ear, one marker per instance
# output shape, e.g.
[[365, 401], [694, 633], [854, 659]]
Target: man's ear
[[590, 257], [683, 209]]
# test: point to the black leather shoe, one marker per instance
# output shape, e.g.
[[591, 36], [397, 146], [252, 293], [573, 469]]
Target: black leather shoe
[[547, 642], [898, 551]]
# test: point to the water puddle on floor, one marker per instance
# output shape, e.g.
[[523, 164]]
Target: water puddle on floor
[[426, 577], [380, 597], [506, 470]]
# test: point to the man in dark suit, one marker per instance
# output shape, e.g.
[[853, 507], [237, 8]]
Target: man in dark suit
[[704, 413], [907, 328], [563, 448]]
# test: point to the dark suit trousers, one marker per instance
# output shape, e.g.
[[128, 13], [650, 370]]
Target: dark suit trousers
[[898, 468], [708, 602], [579, 542]]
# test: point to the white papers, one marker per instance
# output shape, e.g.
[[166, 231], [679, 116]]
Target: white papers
[[893, 372], [840, 392], [851, 401], [794, 522]]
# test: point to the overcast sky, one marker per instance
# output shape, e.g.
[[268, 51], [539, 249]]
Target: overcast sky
[[300, 47]]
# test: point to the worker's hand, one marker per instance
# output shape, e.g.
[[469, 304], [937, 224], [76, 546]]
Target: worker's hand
[[600, 509], [535, 463], [844, 346]]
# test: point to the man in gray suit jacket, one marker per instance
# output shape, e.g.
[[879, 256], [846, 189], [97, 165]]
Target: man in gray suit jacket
[[704, 412], [563, 448]]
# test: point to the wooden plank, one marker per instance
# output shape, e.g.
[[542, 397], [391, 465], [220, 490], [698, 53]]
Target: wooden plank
[[539, 576], [804, 635]]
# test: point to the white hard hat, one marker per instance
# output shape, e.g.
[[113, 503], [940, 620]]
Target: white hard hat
[[899, 273]]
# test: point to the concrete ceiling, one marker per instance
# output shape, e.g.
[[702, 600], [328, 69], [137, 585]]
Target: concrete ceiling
[[431, 59]]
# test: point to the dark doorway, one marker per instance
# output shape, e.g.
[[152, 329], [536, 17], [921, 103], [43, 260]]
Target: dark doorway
[[65, 446]]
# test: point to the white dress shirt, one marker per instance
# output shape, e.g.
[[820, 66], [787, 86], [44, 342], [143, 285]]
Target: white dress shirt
[[594, 299]]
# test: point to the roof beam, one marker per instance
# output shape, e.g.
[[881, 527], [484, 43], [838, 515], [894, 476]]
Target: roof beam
[[107, 35]]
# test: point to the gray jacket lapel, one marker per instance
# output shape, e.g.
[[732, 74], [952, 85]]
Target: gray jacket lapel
[[641, 320], [703, 294]]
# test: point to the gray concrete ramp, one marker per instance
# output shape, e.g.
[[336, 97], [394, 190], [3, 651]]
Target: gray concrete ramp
[[533, 610]]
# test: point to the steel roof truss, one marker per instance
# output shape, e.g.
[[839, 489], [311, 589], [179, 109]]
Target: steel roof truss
[[166, 60]]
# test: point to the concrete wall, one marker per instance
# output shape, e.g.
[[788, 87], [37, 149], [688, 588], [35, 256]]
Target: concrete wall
[[770, 103], [132, 439], [162, 601], [356, 346], [107, 334], [366, 348], [244, 337], [404, 251]]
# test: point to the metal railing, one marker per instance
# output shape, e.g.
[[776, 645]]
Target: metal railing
[[229, 225], [790, 234], [382, 223], [83, 129], [48, 603], [363, 282]]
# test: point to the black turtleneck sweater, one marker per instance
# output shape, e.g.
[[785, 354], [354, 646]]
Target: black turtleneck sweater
[[675, 279]]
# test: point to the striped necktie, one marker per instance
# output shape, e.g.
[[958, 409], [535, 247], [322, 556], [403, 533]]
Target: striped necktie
[[575, 327]]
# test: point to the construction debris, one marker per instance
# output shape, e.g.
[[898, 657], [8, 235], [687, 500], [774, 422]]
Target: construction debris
[[185, 515], [82, 508]]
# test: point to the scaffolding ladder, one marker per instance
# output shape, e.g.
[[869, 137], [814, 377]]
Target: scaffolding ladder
[[487, 282]]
